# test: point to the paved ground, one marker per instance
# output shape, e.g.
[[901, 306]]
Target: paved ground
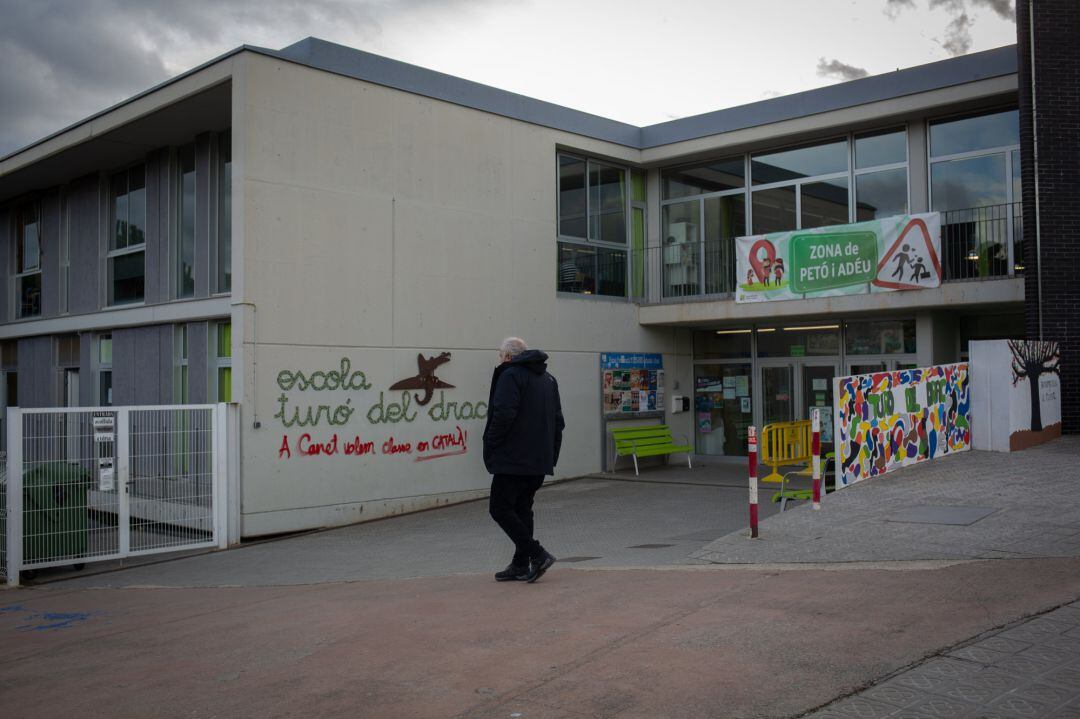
[[400, 618]]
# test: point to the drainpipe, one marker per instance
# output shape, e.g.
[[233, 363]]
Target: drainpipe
[[1035, 162]]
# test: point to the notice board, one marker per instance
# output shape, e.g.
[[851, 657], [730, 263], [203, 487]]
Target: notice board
[[631, 384]]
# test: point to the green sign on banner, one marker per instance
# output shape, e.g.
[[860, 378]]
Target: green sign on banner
[[883, 255], [827, 260]]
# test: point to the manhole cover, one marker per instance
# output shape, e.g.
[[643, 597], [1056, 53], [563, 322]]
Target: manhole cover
[[941, 515]]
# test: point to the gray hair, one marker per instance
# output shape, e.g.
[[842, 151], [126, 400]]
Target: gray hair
[[511, 347]]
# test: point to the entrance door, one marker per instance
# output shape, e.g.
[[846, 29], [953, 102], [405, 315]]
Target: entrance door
[[791, 388], [816, 391], [778, 393]]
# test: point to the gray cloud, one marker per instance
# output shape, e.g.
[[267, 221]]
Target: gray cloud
[[839, 70], [1006, 9], [61, 61], [958, 35], [894, 7]]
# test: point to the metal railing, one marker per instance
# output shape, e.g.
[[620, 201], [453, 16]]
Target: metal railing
[[90, 484], [976, 243], [981, 242]]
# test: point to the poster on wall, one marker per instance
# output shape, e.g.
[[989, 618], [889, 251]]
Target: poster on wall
[[632, 383], [888, 420], [1016, 392], [887, 255]]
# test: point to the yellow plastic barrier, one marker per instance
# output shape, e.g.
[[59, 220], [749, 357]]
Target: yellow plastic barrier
[[784, 444]]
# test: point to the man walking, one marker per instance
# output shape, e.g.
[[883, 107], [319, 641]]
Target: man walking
[[522, 440]]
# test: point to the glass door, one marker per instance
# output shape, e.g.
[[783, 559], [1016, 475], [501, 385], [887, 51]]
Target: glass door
[[816, 392], [778, 393], [722, 408]]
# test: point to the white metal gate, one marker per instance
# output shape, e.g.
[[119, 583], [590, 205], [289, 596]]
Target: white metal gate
[[91, 484]]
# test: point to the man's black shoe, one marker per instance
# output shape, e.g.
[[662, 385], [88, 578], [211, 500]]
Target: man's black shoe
[[512, 573], [538, 566]]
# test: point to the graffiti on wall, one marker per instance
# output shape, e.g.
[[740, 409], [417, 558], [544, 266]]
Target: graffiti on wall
[[1030, 361], [295, 410], [888, 420]]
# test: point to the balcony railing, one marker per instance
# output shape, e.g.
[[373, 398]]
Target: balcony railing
[[982, 242], [976, 243]]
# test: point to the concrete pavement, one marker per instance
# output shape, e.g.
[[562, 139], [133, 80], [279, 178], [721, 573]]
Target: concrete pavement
[[401, 619]]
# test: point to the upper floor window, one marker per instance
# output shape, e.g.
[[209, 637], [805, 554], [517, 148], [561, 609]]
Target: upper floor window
[[881, 175], [975, 184], [28, 260], [224, 224], [593, 218], [127, 239], [973, 161], [185, 216], [800, 187], [703, 209], [180, 351]]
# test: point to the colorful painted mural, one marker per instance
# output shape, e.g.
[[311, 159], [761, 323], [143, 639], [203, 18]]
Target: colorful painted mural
[[888, 420]]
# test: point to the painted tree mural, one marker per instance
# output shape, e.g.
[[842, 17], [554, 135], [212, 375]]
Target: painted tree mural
[[1032, 360]]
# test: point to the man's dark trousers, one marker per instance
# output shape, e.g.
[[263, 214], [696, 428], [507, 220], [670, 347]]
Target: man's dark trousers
[[511, 507]]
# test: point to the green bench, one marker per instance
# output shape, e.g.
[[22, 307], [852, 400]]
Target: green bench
[[649, 441]]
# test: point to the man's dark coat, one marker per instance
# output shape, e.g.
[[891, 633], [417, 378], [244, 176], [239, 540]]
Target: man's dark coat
[[525, 421]]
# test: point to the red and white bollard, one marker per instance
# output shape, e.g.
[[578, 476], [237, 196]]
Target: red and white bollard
[[815, 427], [752, 451]]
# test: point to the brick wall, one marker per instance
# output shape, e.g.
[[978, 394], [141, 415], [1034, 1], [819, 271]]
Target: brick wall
[[1057, 117]]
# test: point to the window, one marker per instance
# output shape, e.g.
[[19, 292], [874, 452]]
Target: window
[[881, 180], [974, 183], [224, 223], [790, 201], [185, 230], [127, 240], [879, 337], [180, 388], [28, 261], [223, 360], [594, 198], [702, 210], [104, 363]]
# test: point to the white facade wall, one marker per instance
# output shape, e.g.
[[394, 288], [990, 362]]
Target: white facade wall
[[377, 225]]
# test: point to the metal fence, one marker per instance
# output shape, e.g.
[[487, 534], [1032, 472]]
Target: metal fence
[[981, 242], [976, 243], [91, 484]]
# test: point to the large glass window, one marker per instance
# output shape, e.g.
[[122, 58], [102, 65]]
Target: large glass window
[[968, 134], [185, 235], [974, 184], [703, 210], [824, 203], [593, 227], [774, 210], [881, 181], [879, 337], [127, 241], [28, 261], [814, 189], [224, 225], [799, 162]]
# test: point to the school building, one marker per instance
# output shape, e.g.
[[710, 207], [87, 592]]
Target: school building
[[337, 242]]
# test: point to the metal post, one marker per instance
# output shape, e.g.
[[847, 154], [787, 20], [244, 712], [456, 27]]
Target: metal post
[[221, 473], [122, 462], [815, 427], [14, 496], [752, 452]]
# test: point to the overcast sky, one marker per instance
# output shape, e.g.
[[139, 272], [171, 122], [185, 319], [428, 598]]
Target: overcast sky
[[630, 60]]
